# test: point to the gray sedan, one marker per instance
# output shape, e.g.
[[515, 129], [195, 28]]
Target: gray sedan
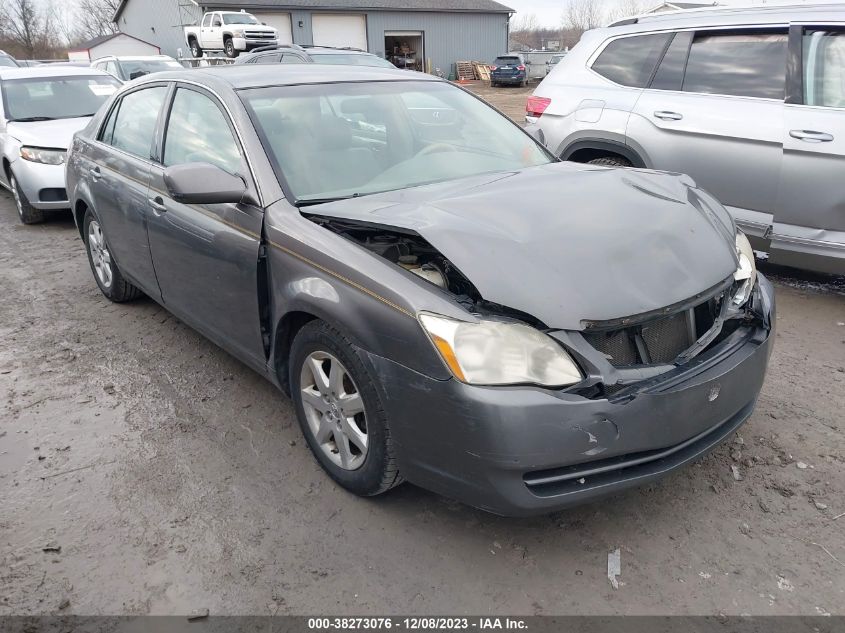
[[445, 302]]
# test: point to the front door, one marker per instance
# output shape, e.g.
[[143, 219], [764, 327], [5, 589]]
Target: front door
[[811, 203], [120, 172], [206, 256], [714, 110]]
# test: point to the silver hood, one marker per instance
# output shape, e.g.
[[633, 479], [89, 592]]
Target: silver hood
[[56, 134], [567, 243]]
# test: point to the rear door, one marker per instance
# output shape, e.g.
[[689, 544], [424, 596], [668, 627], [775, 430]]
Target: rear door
[[206, 256], [714, 110], [119, 171], [811, 203]]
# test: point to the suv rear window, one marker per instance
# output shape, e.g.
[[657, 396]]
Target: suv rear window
[[738, 64], [507, 61], [630, 61]]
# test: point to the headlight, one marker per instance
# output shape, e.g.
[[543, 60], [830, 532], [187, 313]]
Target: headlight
[[238, 33], [46, 156], [747, 271], [496, 353]]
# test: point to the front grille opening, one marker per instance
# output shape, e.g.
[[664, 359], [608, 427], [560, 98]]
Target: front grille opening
[[658, 341], [55, 194]]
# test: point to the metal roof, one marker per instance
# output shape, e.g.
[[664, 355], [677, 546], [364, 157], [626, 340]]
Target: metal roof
[[476, 6]]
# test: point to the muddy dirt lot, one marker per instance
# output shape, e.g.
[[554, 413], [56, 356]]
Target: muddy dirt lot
[[144, 470]]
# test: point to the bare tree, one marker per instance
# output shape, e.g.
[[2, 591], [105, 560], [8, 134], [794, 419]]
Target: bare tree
[[583, 15], [94, 18], [626, 9]]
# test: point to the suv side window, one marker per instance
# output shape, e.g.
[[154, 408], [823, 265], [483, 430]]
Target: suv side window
[[630, 61], [198, 132], [670, 73], [751, 64], [824, 68], [135, 119]]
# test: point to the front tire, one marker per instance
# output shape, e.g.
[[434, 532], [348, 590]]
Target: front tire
[[229, 48], [105, 269], [340, 411], [196, 51], [26, 212], [610, 161]]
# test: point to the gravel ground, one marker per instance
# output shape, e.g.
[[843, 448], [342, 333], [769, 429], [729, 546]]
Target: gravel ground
[[144, 470]]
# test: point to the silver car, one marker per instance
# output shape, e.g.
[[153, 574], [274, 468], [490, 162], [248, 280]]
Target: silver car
[[749, 102], [127, 68], [40, 110]]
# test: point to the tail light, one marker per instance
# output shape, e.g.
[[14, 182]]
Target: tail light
[[535, 106], [493, 67], [520, 67]]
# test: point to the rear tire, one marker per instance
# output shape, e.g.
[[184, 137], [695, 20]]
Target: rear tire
[[338, 413], [26, 212], [610, 161], [106, 272], [196, 51]]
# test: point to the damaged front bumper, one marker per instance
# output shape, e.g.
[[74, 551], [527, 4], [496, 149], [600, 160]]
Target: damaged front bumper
[[527, 450]]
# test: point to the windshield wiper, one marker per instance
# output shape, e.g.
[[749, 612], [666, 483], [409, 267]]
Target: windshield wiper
[[30, 119], [312, 201]]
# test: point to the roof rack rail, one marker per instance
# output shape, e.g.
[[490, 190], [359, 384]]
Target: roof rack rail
[[337, 48]]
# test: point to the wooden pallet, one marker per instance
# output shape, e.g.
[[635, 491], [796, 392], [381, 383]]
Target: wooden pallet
[[482, 71], [465, 70]]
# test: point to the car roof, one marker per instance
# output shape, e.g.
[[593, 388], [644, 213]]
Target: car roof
[[731, 16], [322, 50], [244, 76], [133, 58], [49, 70]]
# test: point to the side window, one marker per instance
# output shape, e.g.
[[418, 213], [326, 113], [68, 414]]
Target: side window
[[670, 73], [824, 68], [108, 129], [217, 20], [630, 61], [290, 58], [738, 64], [111, 67], [198, 132], [206, 21], [135, 122]]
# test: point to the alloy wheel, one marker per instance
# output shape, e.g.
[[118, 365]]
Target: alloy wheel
[[334, 410], [100, 254]]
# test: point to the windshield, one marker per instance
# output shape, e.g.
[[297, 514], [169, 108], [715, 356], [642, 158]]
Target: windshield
[[556, 59], [147, 66], [5, 60], [239, 18], [341, 140], [351, 59], [44, 98]]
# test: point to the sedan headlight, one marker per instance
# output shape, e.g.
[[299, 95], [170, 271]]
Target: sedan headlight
[[497, 353], [46, 156], [746, 273]]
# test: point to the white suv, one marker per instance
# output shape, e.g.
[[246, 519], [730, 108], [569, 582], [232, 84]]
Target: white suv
[[749, 102]]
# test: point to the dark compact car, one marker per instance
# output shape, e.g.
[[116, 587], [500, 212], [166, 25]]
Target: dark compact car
[[295, 54], [509, 69], [444, 301]]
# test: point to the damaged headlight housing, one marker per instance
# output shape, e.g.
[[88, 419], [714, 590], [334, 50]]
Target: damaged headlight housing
[[746, 273], [41, 155], [498, 353]]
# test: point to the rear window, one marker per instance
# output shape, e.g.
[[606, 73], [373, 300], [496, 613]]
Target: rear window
[[630, 61], [507, 61], [738, 64]]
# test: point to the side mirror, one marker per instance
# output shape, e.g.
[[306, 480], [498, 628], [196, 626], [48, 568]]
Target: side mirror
[[203, 183]]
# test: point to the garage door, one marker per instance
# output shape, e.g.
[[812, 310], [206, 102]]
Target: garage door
[[281, 22], [339, 30]]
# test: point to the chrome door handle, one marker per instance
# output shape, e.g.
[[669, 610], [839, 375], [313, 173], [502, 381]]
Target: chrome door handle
[[158, 205], [96, 174], [810, 136], [665, 115]]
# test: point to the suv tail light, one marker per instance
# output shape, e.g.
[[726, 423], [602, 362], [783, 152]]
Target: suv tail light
[[535, 106], [493, 67], [520, 67]]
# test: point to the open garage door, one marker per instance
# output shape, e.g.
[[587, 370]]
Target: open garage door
[[279, 21], [339, 30]]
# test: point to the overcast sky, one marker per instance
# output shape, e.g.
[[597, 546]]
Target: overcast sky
[[549, 12]]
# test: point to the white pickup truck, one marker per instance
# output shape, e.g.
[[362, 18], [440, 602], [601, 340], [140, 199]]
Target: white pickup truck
[[230, 32]]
